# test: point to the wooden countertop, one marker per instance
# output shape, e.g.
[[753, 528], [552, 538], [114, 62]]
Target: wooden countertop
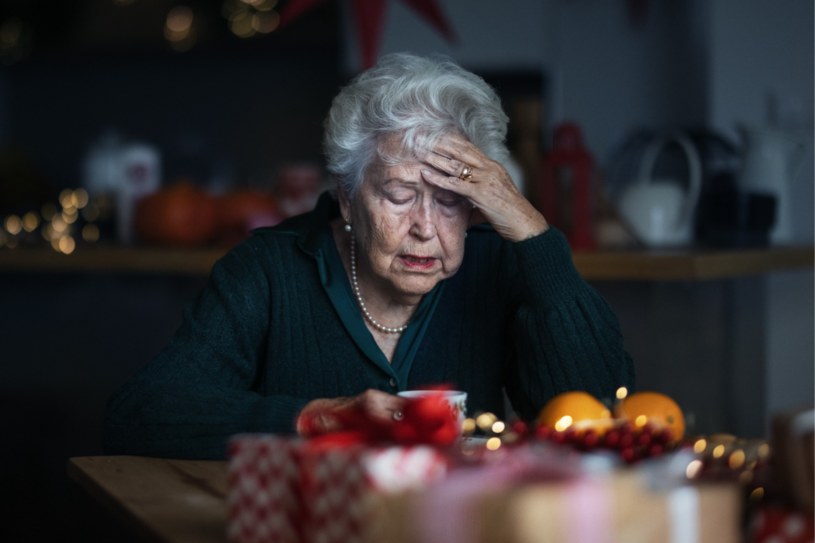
[[623, 265]]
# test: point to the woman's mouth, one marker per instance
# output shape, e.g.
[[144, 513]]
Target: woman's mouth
[[418, 262]]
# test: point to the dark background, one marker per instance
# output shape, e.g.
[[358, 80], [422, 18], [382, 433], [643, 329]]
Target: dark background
[[229, 112]]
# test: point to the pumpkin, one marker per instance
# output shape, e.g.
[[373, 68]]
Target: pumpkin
[[180, 215], [241, 210]]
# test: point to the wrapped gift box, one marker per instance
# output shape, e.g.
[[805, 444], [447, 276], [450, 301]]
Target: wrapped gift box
[[292, 490], [486, 506], [285, 490]]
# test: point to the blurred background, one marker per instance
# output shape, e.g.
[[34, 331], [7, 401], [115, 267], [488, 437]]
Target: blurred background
[[121, 119]]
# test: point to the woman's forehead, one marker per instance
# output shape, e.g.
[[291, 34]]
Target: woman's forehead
[[395, 148], [397, 161], [404, 172]]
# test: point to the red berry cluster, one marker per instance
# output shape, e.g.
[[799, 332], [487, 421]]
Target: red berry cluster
[[630, 442]]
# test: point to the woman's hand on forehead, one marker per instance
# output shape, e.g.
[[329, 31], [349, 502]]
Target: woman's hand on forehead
[[453, 153], [459, 166]]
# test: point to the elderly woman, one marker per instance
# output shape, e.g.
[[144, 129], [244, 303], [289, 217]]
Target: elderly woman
[[428, 267]]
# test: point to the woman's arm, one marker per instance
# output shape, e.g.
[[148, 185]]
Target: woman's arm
[[202, 387], [566, 335], [209, 382]]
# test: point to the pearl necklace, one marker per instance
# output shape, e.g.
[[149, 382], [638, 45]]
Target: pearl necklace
[[368, 316]]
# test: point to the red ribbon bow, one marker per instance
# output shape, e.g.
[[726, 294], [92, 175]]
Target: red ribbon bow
[[426, 421]]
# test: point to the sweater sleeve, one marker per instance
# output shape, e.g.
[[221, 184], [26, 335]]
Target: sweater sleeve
[[201, 388], [566, 335]]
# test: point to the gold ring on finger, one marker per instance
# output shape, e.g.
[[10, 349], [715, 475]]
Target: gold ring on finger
[[466, 174]]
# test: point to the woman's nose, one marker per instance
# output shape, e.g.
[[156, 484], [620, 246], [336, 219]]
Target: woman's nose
[[423, 225]]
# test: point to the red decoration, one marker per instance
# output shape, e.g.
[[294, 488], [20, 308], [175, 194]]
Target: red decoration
[[631, 443], [369, 16], [780, 525], [427, 420]]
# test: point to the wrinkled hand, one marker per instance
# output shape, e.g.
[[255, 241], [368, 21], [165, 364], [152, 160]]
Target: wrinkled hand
[[327, 414], [490, 189]]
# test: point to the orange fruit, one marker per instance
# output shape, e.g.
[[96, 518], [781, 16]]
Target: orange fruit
[[575, 410], [654, 408]]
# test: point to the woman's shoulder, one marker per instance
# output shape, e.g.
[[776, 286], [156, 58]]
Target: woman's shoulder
[[263, 248], [304, 230], [283, 248]]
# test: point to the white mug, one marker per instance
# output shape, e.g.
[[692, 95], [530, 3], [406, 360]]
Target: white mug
[[456, 399]]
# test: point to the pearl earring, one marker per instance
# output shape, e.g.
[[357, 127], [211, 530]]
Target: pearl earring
[[347, 227]]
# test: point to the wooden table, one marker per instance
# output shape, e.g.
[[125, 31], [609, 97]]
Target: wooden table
[[161, 500]]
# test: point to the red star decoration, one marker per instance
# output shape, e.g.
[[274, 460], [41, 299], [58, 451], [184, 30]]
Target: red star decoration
[[369, 16]]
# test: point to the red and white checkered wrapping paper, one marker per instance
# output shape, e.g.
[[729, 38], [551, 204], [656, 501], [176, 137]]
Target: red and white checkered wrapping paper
[[287, 490]]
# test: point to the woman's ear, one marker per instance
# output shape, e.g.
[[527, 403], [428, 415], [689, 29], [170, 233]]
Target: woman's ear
[[345, 205]]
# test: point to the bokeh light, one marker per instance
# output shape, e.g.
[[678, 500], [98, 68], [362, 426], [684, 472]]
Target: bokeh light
[[179, 29], [248, 18], [66, 245], [693, 469], [13, 225], [736, 459], [58, 224], [31, 221], [563, 423], [264, 23], [484, 421]]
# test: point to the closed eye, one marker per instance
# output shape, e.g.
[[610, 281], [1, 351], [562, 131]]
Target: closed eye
[[399, 196], [400, 200], [449, 199]]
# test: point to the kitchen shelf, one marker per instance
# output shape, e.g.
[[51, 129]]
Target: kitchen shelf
[[691, 265], [610, 265]]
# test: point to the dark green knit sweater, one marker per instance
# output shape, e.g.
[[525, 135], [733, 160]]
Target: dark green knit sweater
[[263, 338]]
